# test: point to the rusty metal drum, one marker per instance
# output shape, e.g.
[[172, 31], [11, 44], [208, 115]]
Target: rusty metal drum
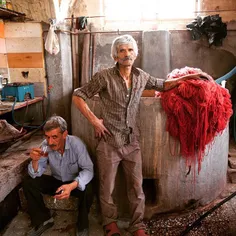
[[170, 184]]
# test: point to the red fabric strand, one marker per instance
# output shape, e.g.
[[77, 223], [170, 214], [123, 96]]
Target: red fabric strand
[[197, 110]]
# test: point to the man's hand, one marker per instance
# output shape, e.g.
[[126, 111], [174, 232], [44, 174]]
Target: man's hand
[[65, 190], [100, 130], [172, 82], [35, 154], [200, 75]]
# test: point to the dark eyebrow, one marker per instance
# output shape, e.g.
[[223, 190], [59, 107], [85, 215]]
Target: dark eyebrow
[[54, 136]]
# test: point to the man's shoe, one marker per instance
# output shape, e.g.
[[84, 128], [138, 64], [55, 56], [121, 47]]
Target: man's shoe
[[111, 230], [140, 232], [84, 232], [37, 231]]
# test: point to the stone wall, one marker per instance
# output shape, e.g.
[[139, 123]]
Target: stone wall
[[36, 10]]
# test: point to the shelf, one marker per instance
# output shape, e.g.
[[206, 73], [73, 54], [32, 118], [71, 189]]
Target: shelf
[[6, 106], [7, 14]]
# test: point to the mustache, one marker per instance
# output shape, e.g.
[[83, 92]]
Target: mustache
[[127, 58], [53, 145]]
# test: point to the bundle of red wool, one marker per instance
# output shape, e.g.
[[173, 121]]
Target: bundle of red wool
[[197, 110]]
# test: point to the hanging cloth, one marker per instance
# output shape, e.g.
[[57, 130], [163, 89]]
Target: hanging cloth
[[52, 42], [81, 23], [210, 26]]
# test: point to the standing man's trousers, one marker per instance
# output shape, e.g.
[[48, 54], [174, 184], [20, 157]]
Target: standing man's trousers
[[108, 159]]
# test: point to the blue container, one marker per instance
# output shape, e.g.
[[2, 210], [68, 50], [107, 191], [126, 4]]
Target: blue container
[[19, 91]]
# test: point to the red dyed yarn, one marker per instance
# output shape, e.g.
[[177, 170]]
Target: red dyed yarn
[[197, 110]]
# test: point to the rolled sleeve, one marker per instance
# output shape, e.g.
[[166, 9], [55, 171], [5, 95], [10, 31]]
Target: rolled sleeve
[[77, 92], [84, 177], [155, 83], [91, 88], [41, 168]]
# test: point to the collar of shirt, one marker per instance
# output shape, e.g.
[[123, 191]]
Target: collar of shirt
[[134, 70]]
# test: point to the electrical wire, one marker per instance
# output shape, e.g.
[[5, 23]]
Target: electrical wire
[[226, 76], [29, 126], [197, 222], [218, 81]]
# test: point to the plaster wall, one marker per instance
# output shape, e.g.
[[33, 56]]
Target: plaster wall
[[226, 8], [36, 10], [59, 74]]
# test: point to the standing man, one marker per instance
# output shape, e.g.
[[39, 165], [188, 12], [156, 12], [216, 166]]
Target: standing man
[[72, 171], [120, 89]]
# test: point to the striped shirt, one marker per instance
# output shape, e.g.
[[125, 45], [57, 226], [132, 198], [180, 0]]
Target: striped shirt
[[119, 107]]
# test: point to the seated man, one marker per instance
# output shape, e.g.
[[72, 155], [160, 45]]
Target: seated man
[[72, 171]]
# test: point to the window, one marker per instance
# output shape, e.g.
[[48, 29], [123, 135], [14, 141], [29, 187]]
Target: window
[[141, 11]]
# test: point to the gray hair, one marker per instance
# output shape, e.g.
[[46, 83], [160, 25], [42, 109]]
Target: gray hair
[[123, 39], [55, 122]]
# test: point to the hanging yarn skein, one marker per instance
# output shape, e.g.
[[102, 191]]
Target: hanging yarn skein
[[197, 110]]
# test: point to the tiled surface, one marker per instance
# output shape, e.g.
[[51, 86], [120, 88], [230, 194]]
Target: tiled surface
[[24, 52], [22, 30], [3, 60], [14, 45], [1, 29], [22, 60], [34, 75], [2, 45]]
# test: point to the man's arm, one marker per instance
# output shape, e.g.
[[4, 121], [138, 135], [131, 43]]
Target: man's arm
[[83, 107], [84, 161], [171, 83], [38, 164], [100, 129]]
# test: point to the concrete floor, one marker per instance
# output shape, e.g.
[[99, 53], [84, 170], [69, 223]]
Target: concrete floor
[[220, 222]]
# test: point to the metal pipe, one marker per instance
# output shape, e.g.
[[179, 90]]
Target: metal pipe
[[97, 32], [84, 16], [213, 11], [90, 53]]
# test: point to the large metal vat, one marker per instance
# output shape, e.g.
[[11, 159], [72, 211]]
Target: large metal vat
[[169, 186]]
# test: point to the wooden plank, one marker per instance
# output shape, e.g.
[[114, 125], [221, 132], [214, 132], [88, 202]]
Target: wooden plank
[[24, 45], [3, 60], [8, 105], [25, 60], [34, 75], [22, 30], [2, 46]]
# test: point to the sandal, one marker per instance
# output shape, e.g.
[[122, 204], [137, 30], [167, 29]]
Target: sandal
[[111, 230], [140, 232]]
